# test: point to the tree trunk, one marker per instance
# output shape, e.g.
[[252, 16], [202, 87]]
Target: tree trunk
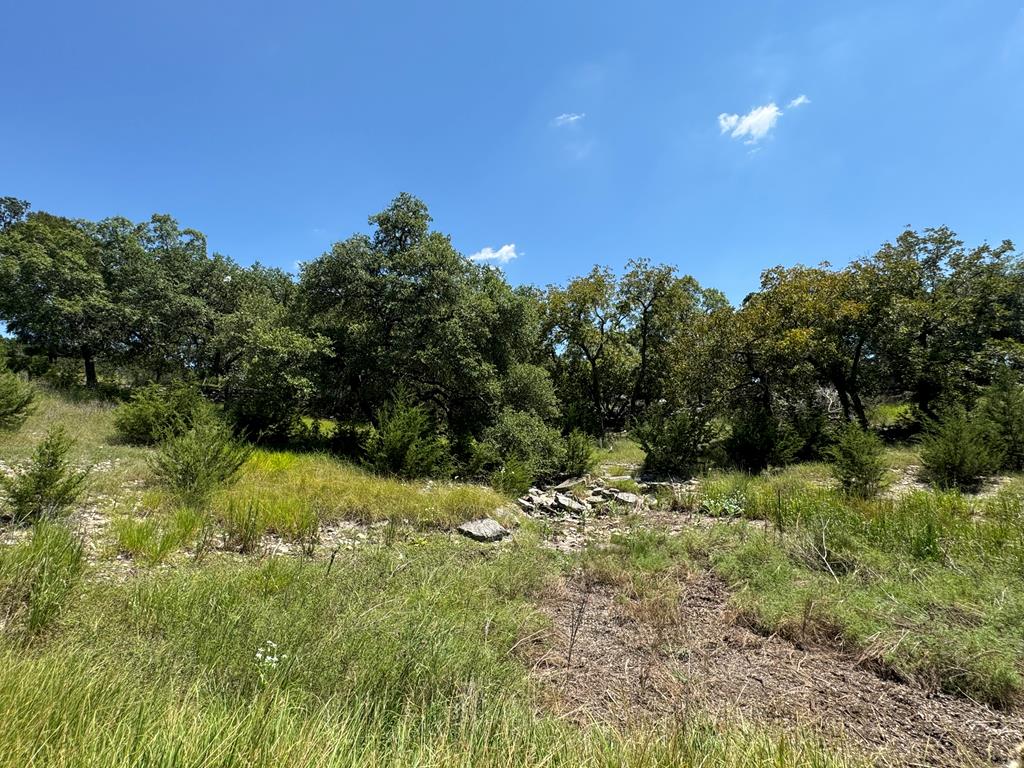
[[844, 397], [90, 368], [858, 406], [858, 409]]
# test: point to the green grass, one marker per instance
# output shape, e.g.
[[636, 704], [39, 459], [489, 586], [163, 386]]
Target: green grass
[[292, 492], [390, 657], [91, 425], [926, 587], [622, 456], [404, 651], [152, 539]]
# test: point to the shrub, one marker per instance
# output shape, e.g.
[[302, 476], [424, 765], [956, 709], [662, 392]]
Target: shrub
[[158, 412], [675, 441], [957, 450], [579, 454], [759, 440], [514, 477], [523, 438], [858, 461], [49, 486], [1002, 406], [37, 576], [405, 442], [195, 462], [16, 400]]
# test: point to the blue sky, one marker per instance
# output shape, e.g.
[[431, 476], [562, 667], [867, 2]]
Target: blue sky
[[567, 133]]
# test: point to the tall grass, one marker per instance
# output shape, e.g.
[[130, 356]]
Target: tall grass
[[37, 578], [927, 586], [389, 658], [292, 492]]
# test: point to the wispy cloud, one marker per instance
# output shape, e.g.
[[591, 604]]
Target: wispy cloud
[[753, 126], [503, 255], [758, 122], [568, 118]]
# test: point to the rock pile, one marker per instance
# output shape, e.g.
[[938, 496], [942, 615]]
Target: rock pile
[[578, 497]]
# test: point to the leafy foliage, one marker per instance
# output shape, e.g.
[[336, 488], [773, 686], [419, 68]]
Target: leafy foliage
[[529, 388], [157, 412], [523, 439], [858, 461], [49, 486], [760, 439], [675, 441], [579, 454], [268, 385], [1002, 406]]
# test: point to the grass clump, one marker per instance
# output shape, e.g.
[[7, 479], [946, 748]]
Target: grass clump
[[858, 461], [38, 576], [195, 463], [158, 412], [49, 486], [151, 540], [922, 586]]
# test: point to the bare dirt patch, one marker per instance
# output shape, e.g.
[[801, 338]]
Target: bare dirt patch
[[624, 669]]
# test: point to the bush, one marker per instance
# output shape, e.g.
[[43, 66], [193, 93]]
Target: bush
[[159, 412], [194, 463], [1002, 407], [523, 438], [858, 461], [760, 440], [49, 486], [38, 576], [405, 442], [579, 454], [513, 478], [957, 451], [16, 400], [675, 441]]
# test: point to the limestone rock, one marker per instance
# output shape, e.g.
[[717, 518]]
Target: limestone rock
[[484, 529]]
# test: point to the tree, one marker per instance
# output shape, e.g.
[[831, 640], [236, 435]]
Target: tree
[[589, 326], [405, 306], [657, 305], [56, 296], [12, 210], [268, 381], [1002, 407]]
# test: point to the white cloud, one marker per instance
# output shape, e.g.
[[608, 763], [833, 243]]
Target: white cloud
[[568, 118], [753, 126], [503, 255], [758, 122]]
